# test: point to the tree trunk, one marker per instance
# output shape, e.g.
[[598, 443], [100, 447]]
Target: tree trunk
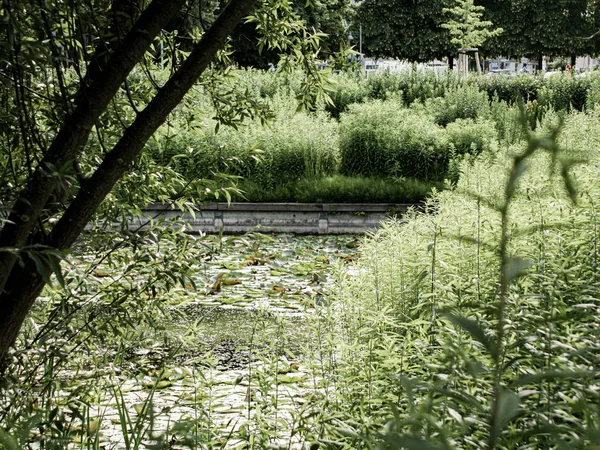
[[24, 284]]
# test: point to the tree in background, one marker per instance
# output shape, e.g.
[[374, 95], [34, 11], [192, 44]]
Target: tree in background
[[466, 27], [404, 29], [325, 16], [412, 29], [544, 27]]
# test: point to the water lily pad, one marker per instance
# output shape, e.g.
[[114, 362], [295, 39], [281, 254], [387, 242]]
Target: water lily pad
[[291, 378], [160, 385]]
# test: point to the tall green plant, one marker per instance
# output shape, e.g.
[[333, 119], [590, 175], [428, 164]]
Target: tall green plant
[[494, 370]]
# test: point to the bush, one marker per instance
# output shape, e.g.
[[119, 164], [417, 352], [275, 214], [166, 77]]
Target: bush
[[267, 84], [348, 89], [382, 139], [299, 146], [294, 146], [470, 136], [593, 95], [341, 189], [564, 93], [519, 89], [467, 102], [415, 86], [425, 300]]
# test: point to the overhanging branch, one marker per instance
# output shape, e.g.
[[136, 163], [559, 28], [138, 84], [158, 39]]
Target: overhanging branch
[[119, 159], [74, 134]]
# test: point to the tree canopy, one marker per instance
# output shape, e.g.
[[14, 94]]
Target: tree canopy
[[325, 16], [405, 29], [466, 27], [412, 29], [551, 28]]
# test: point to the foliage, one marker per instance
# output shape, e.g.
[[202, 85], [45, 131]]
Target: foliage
[[459, 103], [340, 189], [470, 136], [154, 362], [566, 93], [413, 86], [348, 89], [471, 324], [292, 147], [472, 327], [382, 139], [466, 27], [325, 16], [519, 89], [56, 85], [505, 116], [536, 28], [593, 95], [405, 29]]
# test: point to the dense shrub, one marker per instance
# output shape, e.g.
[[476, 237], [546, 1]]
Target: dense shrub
[[470, 136], [381, 86], [593, 96], [564, 92], [448, 118], [519, 89], [299, 146], [433, 301], [415, 86], [341, 189], [347, 89], [294, 146], [268, 84], [382, 139], [466, 102]]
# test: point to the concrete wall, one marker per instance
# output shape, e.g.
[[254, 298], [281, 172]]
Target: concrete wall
[[299, 218]]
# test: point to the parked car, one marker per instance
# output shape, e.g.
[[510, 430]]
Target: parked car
[[552, 74], [500, 72]]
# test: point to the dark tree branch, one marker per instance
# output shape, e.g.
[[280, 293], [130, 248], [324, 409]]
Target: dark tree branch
[[74, 134], [119, 159], [25, 284]]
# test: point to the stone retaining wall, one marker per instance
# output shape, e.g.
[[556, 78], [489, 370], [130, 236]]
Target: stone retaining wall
[[299, 218]]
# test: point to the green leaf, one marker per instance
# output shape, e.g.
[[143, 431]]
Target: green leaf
[[550, 375], [54, 264], [508, 407], [515, 268], [396, 442], [473, 327], [40, 267], [7, 441]]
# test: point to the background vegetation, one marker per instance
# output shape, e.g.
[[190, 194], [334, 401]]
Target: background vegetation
[[472, 324], [410, 129]]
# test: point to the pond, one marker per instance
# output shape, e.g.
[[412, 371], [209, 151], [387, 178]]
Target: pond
[[246, 369]]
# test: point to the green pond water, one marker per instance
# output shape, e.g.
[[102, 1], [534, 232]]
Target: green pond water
[[243, 365]]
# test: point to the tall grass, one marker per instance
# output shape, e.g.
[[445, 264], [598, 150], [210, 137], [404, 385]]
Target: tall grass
[[472, 326], [383, 139]]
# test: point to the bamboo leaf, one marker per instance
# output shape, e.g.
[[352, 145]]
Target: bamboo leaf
[[551, 375], [54, 264], [408, 442], [508, 407], [515, 268], [473, 327]]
